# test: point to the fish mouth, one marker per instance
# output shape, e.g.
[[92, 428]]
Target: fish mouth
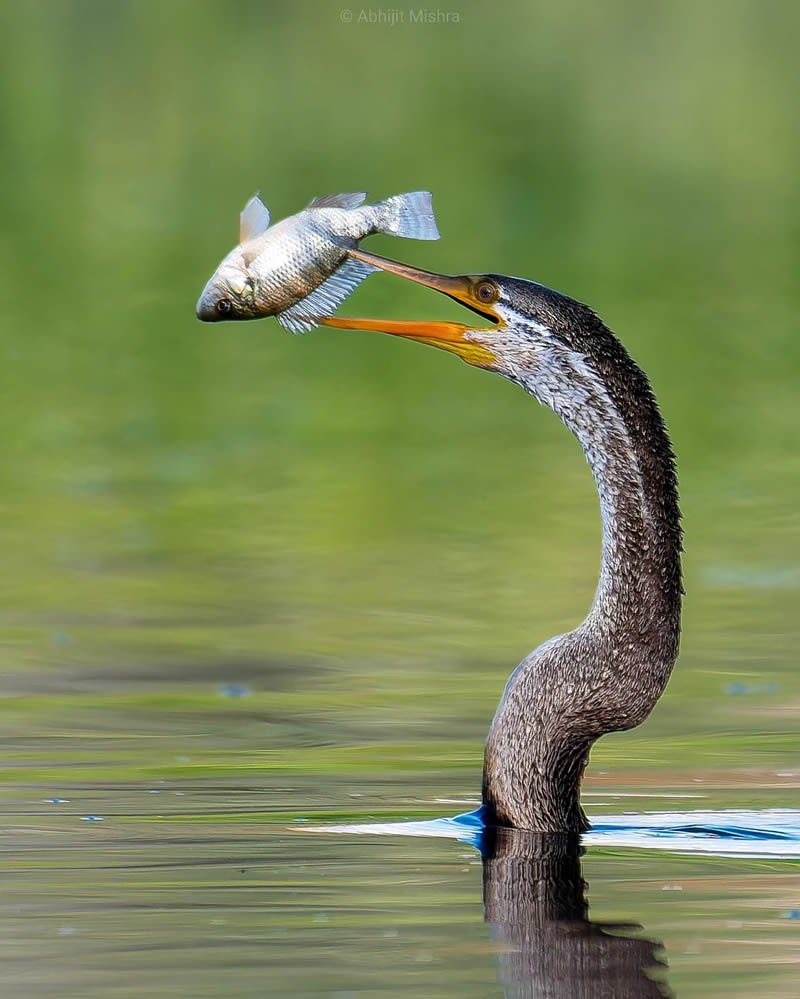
[[207, 309], [457, 338]]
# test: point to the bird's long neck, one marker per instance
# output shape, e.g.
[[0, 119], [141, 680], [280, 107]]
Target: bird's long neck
[[638, 595], [607, 674]]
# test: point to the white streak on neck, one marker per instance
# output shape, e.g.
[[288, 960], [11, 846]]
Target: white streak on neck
[[562, 380]]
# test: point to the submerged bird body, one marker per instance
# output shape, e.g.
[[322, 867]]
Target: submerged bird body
[[298, 270], [607, 674]]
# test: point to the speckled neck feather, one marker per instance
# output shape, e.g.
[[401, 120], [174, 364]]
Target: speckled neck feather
[[608, 673]]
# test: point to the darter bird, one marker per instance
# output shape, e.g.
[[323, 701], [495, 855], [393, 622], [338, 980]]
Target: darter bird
[[607, 674]]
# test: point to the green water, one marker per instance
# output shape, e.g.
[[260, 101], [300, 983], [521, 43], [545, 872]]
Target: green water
[[364, 536]]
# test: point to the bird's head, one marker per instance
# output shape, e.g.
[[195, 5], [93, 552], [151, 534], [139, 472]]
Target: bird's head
[[531, 328]]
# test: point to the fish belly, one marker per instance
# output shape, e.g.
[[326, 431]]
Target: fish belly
[[295, 259]]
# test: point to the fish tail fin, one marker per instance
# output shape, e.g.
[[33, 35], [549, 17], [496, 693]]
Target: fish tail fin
[[409, 215]]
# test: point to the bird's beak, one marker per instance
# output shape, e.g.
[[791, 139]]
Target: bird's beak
[[455, 337]]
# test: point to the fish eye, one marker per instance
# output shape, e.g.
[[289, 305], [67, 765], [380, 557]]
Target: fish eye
[[486, 292], [224, 306]]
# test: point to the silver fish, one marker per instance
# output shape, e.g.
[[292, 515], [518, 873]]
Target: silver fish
[[298, 269]]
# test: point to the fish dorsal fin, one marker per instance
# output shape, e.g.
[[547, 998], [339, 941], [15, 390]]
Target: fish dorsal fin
[[339, 200], [253, 220], [324, 300]]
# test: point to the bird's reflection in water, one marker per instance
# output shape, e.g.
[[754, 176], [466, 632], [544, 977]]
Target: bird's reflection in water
[[534, 898]]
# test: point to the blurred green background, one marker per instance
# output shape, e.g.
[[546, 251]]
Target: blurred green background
[[365, 534]]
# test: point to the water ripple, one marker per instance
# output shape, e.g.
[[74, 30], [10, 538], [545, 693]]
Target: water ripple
[[770, 832]]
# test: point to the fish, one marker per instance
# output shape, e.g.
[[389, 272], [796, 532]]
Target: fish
[[298, 270]]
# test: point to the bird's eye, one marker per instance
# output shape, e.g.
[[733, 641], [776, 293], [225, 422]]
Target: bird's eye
[[486, 292], [224, 306]]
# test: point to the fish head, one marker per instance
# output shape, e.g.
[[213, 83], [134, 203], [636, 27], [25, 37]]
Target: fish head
[[230, 293]]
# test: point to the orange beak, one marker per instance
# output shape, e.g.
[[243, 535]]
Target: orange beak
[[445, 335]]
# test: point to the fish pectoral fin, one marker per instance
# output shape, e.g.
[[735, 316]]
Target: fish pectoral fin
[[253, 219], [338, 200], [326, 299]]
